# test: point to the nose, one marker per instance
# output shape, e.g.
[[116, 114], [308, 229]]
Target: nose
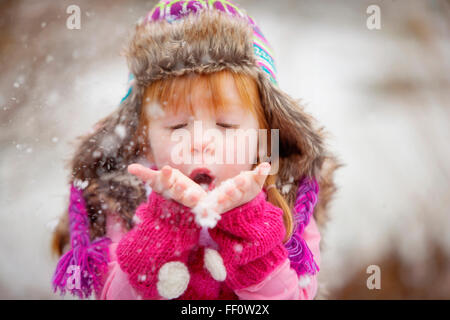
[[204, 145]]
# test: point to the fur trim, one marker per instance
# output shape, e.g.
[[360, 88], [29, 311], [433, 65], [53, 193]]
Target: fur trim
[[61, 236], [115, 192], [327, 190], [205, 42]]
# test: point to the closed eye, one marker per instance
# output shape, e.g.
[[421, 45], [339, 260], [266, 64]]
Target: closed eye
[[226, 125], [178, 126]]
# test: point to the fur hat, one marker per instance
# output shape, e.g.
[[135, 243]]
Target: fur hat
[[182, 37]]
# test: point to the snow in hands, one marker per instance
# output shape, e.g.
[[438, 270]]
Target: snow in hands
[[209, 208], [206, 211], [207, 202]]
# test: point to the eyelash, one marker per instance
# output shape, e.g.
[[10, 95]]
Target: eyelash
[[178, 126], [224, 125]]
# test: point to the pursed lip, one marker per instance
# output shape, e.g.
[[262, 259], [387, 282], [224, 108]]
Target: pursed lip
[[204, 171]]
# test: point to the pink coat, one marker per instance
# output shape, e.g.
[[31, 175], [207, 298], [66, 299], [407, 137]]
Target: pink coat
[[278, 283]]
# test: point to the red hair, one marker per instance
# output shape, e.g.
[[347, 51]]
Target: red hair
[[173, 93]]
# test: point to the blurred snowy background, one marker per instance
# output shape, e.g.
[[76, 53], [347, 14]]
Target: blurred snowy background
[[382, 94]]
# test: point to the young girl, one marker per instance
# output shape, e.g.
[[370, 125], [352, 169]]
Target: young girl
[[146, 226]]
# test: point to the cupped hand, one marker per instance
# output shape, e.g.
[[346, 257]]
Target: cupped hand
[[171, 183], [242, 188]]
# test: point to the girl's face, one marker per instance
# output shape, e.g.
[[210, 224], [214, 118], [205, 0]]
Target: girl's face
[[204, 138]]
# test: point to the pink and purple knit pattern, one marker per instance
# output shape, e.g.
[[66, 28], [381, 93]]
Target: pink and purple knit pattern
[[302, 260], [81, 269], [177, 9], [250, 238]]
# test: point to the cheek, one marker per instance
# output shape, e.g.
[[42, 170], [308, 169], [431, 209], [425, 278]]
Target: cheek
[[164, 148], [241, 149], [160, 145]]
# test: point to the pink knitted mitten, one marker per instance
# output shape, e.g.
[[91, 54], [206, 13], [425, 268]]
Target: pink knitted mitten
[[155, 252], [250, 238]]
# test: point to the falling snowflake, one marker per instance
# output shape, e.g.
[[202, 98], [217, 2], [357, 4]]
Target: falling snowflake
[[96, 154], [142, 277], [286, 188], [51, 225], [120, 131], [154, 109], [80, 184]]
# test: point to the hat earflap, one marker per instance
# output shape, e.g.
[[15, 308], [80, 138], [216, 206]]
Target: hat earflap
[[299, 140]]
